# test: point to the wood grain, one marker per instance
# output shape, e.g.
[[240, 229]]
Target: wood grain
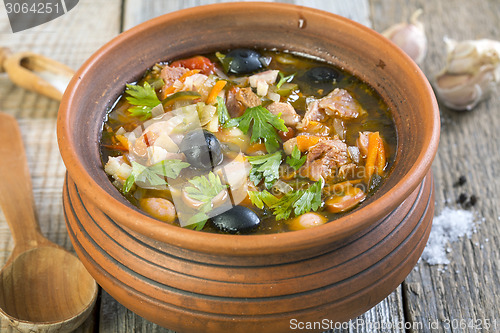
[[70, 39], [468, 289]]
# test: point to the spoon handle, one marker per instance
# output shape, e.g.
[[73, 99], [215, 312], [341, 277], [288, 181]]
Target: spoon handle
[[16, 198], [36, 73]]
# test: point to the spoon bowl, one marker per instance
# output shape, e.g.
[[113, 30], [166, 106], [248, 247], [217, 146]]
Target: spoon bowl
[[43, 287], [36, 73]]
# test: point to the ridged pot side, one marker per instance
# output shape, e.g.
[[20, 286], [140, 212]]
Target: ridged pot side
[[391, 248], [267, 25]]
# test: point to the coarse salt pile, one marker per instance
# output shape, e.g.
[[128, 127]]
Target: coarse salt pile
[[447, 227]]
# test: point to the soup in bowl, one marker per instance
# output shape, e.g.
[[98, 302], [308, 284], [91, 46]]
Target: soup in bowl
[[189, 280], [248, 142]]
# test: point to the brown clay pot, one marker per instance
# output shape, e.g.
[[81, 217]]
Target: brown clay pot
[[193, 281]]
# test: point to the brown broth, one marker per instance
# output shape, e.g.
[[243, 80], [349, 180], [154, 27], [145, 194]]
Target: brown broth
[[377, 118]]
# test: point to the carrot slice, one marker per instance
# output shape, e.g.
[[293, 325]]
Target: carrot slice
[[306, 141], [381, 159], [371, 156], [217, 88], [123, 141], [189, 73]]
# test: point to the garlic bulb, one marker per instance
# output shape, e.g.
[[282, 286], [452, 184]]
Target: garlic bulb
[[410, 37], [472, 70]]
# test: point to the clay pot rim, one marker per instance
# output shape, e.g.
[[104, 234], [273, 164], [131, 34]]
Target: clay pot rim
[[248, 244]]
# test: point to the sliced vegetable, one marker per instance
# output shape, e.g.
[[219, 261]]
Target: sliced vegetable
[[222, 110], [304, 142], [171, 89], [264, 126], [212, 96], [199, 63], [180, 95], [381, 159], [375, 158], [286, 88]]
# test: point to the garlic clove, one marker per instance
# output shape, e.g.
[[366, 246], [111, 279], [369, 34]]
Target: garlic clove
[[410, 37], [472, 71]]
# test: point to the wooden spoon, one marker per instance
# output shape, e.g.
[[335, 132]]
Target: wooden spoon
[[36, 72], [43, 287]]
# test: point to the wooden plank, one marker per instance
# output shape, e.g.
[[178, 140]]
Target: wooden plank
[[138, 11], [468, 290], [116, 318], [69, 39]]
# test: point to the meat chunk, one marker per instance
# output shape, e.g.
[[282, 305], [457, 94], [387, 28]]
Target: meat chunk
[[338, 103], [312, 114], [362, 143], [268, 77], [247, 97], [347, 171], [325, 157], [288, 114], [234, 107], [341, 104], [170, 74]]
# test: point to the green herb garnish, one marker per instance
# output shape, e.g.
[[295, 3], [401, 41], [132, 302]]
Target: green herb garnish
[[294, 160], [222, 111], [259, 199], [143, 98], [153, 175], [265, 167], [298, 201], [225, 61], [265, 125], [284, 79], [203, 189]]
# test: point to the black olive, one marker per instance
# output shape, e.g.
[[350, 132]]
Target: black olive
[[244, 61], [322, 74], [321, 78], [238, 219], [202, 149]]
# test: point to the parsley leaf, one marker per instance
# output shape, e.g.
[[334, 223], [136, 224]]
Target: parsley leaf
[[153, 175], [294, 160], [169, 168], [299, 201], [222, 111], [261, 198], [143, 99], [264, 126], [284, 79], [201, 218], [309, 199], [265, 167], [204, 189]]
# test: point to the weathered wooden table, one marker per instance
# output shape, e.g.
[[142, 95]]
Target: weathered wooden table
[[462, 297]]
